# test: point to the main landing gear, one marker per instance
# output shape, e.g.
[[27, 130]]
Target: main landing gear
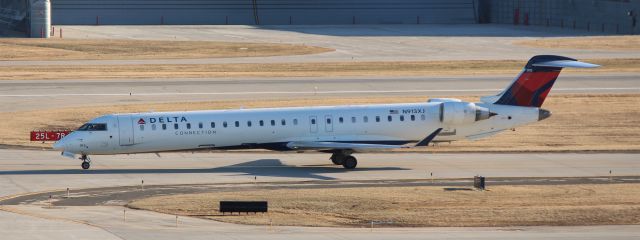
[[345, 159], [86, 162]]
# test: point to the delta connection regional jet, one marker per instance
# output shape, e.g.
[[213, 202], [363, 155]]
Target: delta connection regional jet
[[339, 130]]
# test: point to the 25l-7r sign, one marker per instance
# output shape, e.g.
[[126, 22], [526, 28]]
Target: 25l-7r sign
[[40, 136]]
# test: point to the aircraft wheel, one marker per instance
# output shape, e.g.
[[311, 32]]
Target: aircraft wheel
[[337, 161], [350, 162], [86, 165]]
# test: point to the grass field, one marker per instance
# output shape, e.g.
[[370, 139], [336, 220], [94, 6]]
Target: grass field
[[108, 49], [334, 69], [580, 122], [563, 205]]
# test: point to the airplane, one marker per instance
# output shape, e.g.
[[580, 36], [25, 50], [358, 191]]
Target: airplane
[[339, 130]]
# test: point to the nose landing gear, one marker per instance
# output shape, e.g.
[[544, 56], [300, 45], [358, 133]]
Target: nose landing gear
[[86, 162]]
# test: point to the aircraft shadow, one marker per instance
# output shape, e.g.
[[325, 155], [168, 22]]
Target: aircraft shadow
[[257, 168]]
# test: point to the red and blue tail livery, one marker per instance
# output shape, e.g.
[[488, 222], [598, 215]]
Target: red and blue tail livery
[[533, 85]]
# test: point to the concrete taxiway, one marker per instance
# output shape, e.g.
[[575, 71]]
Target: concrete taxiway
[[108, 223], [33, 94], [25, 171], [423, 42], [120, 196], [33, 171]]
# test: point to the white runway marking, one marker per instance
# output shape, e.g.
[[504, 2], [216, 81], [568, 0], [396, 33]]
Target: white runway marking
[[306, 92]]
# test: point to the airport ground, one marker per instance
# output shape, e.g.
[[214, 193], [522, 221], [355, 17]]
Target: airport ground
[[88, 214], [27, 171], [426, 202], [364, 43]]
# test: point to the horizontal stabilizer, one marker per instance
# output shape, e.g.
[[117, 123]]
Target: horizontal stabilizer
[[566, 64]]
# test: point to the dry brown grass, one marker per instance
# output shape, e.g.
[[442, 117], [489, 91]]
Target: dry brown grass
[[254, 70], [625, 43], [580, 122], [334, 69], [69, 49], [421, 206]]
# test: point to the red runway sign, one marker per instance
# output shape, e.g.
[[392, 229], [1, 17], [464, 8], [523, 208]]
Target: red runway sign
[[41, 136]]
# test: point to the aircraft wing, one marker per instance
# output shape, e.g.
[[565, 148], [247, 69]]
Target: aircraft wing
[[325, 145], [340, 145]]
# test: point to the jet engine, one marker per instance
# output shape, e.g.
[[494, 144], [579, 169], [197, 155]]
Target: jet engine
[[456, 113]]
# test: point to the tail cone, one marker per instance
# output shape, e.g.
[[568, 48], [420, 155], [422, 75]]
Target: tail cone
[[543, 114]]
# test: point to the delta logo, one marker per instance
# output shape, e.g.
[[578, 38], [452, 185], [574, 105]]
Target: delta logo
[[163, 120]]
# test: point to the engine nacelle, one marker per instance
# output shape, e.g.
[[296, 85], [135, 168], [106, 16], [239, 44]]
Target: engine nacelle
[[456, 113]]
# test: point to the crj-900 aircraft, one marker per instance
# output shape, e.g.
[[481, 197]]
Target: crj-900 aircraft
[[339, 130]]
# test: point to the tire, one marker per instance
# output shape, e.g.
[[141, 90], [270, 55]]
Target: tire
[[350, 162], [86, 165], [337, 161]]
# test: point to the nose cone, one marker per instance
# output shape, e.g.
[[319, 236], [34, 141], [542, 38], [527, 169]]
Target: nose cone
[[543, 114], [60, 144]]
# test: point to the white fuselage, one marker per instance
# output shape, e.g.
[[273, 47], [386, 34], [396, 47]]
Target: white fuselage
[[272, 128]]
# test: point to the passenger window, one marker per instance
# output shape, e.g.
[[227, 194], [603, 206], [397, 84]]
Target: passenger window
[[248, 123], [313, 121], [365, 119], [213, 125], [261, 123], [175, 126], [153, 127], [164, 126], [283, 122], [353, 119], [199, 125], [401, 117], [188, 125], [423, 117], [340, 120], [413, 117], [390, 118], [273, 122], [328, 120], [224, 124], [237, 124], [295, 121], [377, 118], [141, 127]]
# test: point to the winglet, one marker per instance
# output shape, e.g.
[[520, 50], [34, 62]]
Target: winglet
[[428, 139]]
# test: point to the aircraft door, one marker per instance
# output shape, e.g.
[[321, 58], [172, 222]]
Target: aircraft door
[[313, 124], [328, 120], [125, 130]]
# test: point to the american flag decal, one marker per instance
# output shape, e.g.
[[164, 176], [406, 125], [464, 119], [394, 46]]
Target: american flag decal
[[393, 111]]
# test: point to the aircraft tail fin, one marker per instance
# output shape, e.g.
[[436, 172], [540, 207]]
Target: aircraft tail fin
[[534, 83]]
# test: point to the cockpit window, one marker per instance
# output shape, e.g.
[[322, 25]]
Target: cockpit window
[[93, 127]]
